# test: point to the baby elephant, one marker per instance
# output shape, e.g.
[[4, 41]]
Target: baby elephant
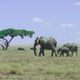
[[62, 50], [22, 49]]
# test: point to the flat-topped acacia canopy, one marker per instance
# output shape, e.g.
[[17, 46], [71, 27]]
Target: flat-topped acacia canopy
[[13, 33]]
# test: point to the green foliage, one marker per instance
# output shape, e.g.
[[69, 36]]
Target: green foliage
[[23, 33], [15, 32], [6, 32]]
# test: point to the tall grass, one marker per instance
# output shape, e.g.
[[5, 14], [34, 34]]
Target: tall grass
[[23, 65]]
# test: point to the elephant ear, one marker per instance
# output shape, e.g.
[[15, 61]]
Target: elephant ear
[[37, 41], [42, 40]]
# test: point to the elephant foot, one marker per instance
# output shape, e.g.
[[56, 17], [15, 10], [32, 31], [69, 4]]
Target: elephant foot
[[39, 54], [51, 54], [67, 55], [56, 55], [59, 56], [35, 55]]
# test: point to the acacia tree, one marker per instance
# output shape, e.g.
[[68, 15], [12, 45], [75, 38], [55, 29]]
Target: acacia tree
[[11, 33]]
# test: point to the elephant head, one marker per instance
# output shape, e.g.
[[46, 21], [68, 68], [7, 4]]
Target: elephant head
[[59, 50]]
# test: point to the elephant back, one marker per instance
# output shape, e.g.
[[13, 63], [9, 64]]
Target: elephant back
[[70, 45], [47, 40]]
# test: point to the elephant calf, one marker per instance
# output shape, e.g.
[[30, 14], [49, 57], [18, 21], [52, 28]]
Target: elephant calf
[[62, 50]]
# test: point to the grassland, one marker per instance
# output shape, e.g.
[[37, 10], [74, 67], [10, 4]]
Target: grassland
[[23, 65]]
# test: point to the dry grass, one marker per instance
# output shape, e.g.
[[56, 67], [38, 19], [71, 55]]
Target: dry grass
[[23, 65]]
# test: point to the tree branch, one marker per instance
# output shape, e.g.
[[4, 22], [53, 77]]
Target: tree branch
[[2, 46], [10, 40]]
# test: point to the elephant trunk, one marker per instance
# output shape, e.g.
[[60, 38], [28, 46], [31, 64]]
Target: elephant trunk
[[58, 50], [55, 44], [35, 49]]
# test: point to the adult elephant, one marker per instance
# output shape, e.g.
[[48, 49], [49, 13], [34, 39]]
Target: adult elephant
[[45, 43], [72, 47]]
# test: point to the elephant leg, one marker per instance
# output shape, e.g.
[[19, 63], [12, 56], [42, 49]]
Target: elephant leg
[[63, 54], [67, 54], [55, 52], [60, 54], [35, 53], [52, 53], [71, 53], [76, 53], [40, 52], [43, 52]]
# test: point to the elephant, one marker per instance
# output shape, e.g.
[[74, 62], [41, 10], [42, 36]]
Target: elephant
[[62, 50], [48, 43], [72, 47]]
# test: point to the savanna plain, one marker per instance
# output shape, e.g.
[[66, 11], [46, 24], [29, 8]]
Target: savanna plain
[[24, 65]]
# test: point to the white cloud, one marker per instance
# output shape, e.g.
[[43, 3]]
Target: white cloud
[[37, 20], [68, 25], [77, 3], [41, 21]]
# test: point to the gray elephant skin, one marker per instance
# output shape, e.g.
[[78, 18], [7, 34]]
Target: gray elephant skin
[[62, 50], [45, 43], [72, 47]]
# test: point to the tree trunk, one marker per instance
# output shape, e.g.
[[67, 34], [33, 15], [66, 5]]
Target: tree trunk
[[7, 43], [2, 46], [6, 46]]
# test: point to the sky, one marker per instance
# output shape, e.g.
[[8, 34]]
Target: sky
[[59, 19]]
